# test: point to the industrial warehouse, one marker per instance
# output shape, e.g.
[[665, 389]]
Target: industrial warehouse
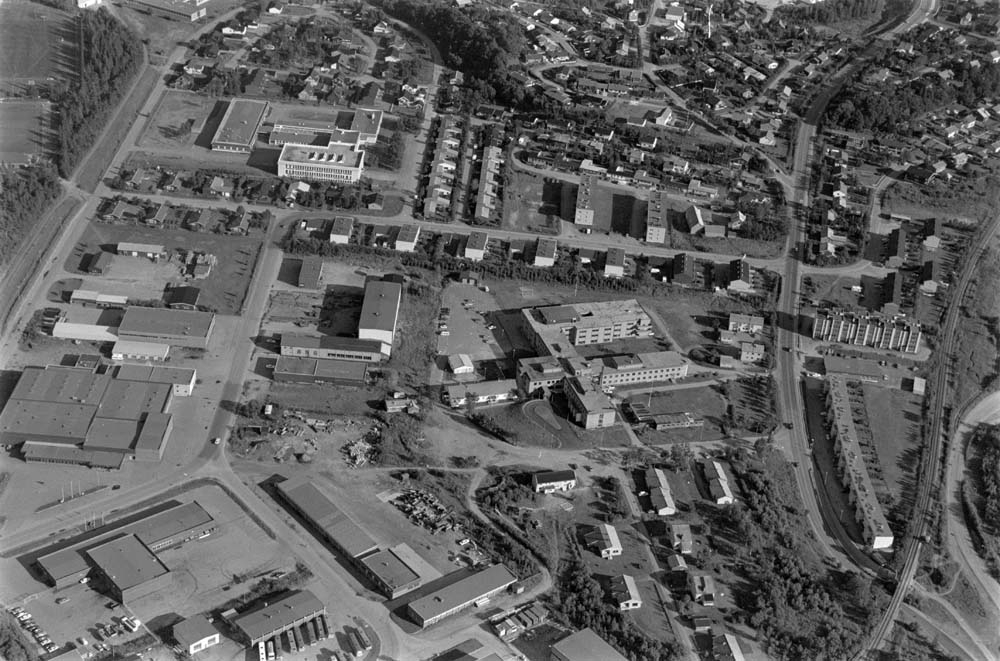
[[72, 415], [475, 589], [124, 552]]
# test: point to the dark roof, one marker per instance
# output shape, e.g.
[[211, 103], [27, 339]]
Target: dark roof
[[162, 322], [346, 370], [546, 477], [185, 295], [558, 314], [310, 272], [329, 342]]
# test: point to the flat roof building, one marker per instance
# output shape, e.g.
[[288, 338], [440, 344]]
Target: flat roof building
[[175, 10], [585, 645], [475, 589], [851, 464], [380, 311], [475, 247], [320, 370], [184, 328], [656, 218], [347, 126], [555, 329], [545, 252], [196, 634], [343, 227], [483, 393], [614, 263], [326, 519], [272, 617], [238, 129], [147, 351], [130, 568], [334, 162], [333, 347], [640, 368], [390, 571], [584, 213], [589, 406], [407, 238]]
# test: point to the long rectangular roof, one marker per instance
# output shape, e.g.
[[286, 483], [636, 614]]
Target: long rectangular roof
[[380, 305], [164, 322], [586, 645], [331, 342], [240, 123], [276, 615], [391, 569], [322, 513], [461, 592], [55, 422], [60, 385]]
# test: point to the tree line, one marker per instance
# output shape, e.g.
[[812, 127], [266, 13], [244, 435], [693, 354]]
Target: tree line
[[833, 11], [110, 56], [25, 194], [477, 41]]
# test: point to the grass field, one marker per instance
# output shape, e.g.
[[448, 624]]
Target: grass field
[[897, 436], [24, 127], [36, 41], [223, 290], [177, 121], [532, 204]]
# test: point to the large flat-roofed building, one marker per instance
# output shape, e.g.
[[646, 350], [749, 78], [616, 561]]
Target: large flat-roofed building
[[475, 589], [553, 329], [169, 524], [585, 645], [360, 126], [333, 348], [182, 328], [131, 570], [540, 373], [390, 572], [145, 351], [76, 416], [326, 519], [851, 464], [320, 370], [175, 10], [589, 406], [656, 218], [275, 616], [380, 311], [642, 368], [238, 129], [333, 162], [584, 213]]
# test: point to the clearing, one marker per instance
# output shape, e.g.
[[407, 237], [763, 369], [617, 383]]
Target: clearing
[[533, 203], [34, 39], [24, 126], [177, 121]]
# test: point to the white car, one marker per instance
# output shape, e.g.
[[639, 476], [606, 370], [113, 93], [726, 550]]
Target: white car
[[82, 641], [84, 580]]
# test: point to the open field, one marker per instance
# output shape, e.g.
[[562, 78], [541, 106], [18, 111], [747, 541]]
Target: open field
[[833, 290], [896, 437], [24, 126], [532, 204], [536, 424], [37, 42], [177, 121], [974, 198], [224, 290]]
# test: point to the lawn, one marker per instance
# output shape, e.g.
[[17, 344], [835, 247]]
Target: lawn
[[534, 204], [177, 120], [833, 290], [703, 403], [896, 436], [415, 346], [33, 37], [619, 212], [24, 126], [225, 288]]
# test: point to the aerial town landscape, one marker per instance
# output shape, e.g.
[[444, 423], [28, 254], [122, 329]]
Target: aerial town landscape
[[495, 330]]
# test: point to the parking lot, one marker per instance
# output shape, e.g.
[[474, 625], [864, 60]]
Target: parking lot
[[467, 325]]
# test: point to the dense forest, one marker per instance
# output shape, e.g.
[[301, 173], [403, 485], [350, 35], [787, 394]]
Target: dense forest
[[833, 11], [801, 611], [989, 471], [25, 194], [580, 600], [894, 108], [478, 42], [14, 643], [111, 55]]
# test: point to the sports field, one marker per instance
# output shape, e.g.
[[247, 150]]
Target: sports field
[[34, 39], [23, 129]]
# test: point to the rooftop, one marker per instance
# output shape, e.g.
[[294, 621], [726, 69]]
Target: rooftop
[[390, 569], [381, 305], [462, 592], [273, 616], [334, 154], [351, 370], [330, 342], [240, 123], [326, 516], [192, 630], [163, 322], [127, 562]]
